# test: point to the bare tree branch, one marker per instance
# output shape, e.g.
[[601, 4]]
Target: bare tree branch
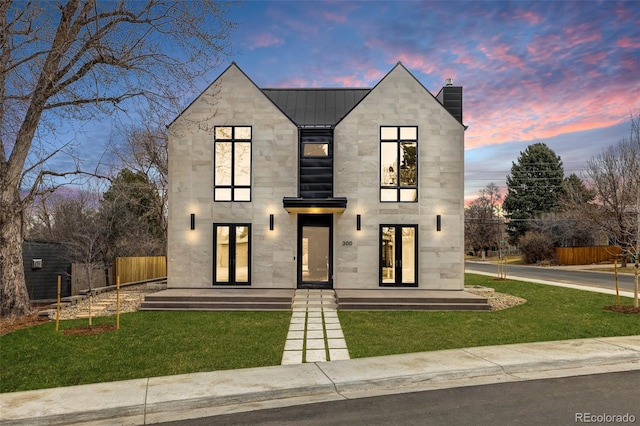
[[79, 59]]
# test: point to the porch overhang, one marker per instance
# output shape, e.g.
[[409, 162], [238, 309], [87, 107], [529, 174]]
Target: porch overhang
[[315, 205]]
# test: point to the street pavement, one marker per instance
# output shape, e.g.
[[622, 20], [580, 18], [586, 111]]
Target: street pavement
[[172, 398], [162, 399], [607, 398], [576, 277]]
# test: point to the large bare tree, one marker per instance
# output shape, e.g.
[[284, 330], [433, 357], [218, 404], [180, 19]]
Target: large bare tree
[[615, 177], [483, 225], [75, 60], [143, 148]]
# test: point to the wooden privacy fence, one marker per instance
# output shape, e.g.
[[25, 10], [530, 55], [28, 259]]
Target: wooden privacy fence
[[131, 269], [80, 274], [586, 255]]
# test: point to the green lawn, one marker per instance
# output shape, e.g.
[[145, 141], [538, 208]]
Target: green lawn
[[148, 344], [551, 313], [163, 343]]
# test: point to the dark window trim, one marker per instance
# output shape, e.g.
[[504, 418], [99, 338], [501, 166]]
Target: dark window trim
[[398, 141], [232, 187], [215, 254], [398, 280]]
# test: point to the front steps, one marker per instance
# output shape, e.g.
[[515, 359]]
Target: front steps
[[410, 300], [253, 299], [232, 299], [314, 299]]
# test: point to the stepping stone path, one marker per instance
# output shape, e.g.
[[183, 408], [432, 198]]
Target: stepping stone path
[[105, 304], [314, 334]]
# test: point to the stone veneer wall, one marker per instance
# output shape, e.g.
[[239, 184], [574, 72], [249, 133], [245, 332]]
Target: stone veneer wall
[[398, 100], [232, 100]]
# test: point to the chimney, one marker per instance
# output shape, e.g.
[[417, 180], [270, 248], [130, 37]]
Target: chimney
[[450, 97]]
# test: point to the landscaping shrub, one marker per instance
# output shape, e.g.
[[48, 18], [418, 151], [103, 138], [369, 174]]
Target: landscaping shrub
[[536, 247]]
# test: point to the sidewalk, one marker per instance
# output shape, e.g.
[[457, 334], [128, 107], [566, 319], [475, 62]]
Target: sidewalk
[[158, 399]]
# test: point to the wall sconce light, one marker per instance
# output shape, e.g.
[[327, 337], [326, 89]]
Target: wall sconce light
[[358, 222], [193, 221], [271, 222], [438, 223]]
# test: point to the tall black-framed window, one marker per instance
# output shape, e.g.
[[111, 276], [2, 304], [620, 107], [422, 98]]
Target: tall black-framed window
[[399, 164], [399, 255], [232, 253], [232, 163], [316, 163]]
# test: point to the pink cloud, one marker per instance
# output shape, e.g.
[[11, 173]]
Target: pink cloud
[[593, 58], [547, 48], [535, 109], [545, 114], [628, 43], [416, 61], [349, 81], [373, 74], [301, 27], [500, 53], [580, 34], [264, 39], [335, 17], [531, 17]]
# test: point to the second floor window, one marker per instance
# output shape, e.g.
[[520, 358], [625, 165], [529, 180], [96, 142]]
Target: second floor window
[[232, 163], [399, 164]]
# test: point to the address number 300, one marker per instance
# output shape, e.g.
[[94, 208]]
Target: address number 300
[[347, 243]]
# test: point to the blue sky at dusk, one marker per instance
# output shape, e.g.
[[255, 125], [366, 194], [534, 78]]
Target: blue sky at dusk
[[566, 73]]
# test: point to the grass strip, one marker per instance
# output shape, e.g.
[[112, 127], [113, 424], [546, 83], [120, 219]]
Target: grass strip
[[148, 344], [551, 313], [153, 344]]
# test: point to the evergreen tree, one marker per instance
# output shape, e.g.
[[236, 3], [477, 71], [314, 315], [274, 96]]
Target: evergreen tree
[[535, 186], [128, 210], [577, 191]]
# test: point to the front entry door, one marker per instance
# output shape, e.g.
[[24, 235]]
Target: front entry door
[[315, 242]]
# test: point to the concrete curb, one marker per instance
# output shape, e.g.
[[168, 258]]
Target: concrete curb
[[143, 401]]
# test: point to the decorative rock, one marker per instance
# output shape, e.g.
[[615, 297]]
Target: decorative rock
[[104, 304], [497, 301]]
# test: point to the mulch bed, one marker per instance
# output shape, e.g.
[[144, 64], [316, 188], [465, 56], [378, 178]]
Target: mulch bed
[[7, 325], [623, 309]]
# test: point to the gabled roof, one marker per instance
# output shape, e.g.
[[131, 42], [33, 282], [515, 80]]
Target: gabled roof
[[320, 107], [316, 107]]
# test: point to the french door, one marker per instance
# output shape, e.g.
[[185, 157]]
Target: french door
[[231, 253], [399, 255]]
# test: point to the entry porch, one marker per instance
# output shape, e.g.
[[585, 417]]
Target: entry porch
[[252, 299]]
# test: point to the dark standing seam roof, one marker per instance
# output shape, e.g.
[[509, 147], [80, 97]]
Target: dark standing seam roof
[[316, 107]]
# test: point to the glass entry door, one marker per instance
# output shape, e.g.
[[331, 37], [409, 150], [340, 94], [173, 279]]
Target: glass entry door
[[315, 251], [398, 255], [232, 253]]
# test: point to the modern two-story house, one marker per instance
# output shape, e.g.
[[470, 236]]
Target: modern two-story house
[[331, 188]]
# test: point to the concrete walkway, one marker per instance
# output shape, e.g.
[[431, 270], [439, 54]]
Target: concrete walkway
[[314, 333], [159, 399]]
